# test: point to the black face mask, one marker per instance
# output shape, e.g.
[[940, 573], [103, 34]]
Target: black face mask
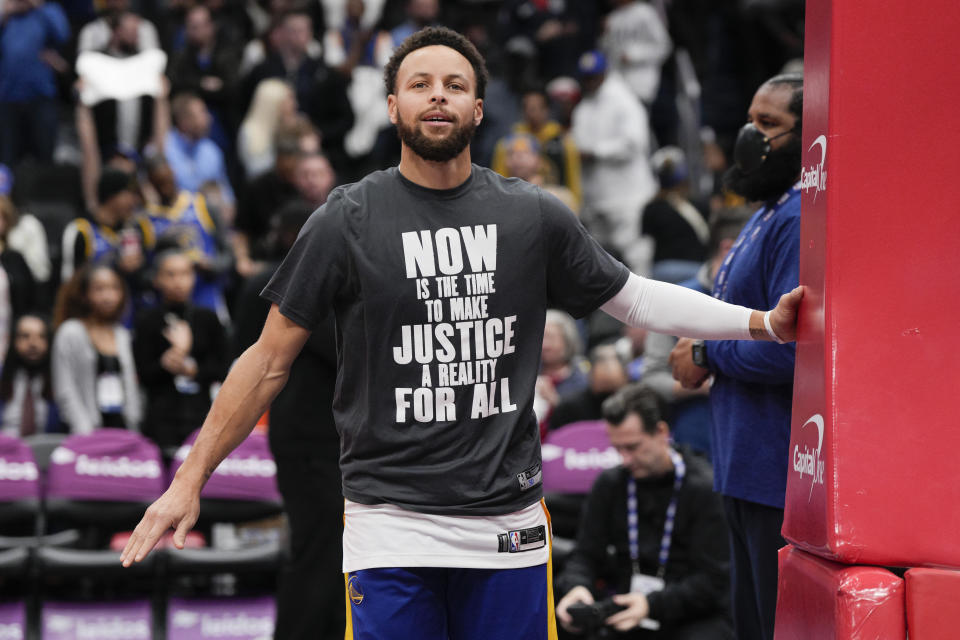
[[760, 173], [752, 147]]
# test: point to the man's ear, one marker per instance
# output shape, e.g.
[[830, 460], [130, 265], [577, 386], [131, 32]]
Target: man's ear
[[392, 108], [478, 112], [663, 429]]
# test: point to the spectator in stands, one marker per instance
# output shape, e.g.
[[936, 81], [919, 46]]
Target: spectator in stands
[[207, 66], [321, 91], [561, 366], [94, 375], [265, 195], [96, 35], [611, 130], [122, 99], [545, 34], [608, 373], [106, 237], [17, 287], [556, 146], [26, 234], [691, 422], [26, 390], [679, 230], [636, 43], [420, 14], [314, 179], [274, 107], [192, 155], [358, 52], [189, 222], [180, 350], [30, 31], [659, 501]]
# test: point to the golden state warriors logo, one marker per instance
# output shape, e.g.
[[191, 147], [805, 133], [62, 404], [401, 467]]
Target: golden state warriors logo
[[354, 590]]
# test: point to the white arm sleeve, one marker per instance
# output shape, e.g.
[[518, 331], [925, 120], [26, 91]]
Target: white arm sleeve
[[675, 310]]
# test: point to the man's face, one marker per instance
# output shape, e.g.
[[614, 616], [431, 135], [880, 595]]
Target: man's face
[[435, 108], [423, 12], [297, 32], [554, 350], [164, 182], [607, 373], [196, 121], [30, 340], [643, 454], [127, 33], [175, 279], [199, 27], [770, 113], [536, 111], [314, 178], [120, 207]]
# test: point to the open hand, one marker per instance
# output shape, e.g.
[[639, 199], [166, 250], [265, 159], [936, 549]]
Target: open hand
[[177, 508]]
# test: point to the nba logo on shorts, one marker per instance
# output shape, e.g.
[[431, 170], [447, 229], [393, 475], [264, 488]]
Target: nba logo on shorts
[[514, 541]]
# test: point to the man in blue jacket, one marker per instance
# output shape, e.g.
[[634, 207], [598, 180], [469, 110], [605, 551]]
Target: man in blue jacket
[[753, 382], [30, 32]]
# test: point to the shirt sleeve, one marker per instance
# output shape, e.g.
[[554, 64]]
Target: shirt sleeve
[[581, 276], [315, 271]]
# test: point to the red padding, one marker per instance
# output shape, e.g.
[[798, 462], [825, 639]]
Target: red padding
[[821, 600]]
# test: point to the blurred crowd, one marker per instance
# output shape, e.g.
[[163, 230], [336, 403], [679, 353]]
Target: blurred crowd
[[158, 158], [132, 130]]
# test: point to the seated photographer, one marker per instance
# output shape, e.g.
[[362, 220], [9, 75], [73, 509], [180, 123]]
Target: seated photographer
[[652, 533]]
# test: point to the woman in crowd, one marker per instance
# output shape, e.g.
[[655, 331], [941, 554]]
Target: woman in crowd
[[17, 288], [274, 105], [94, 376]]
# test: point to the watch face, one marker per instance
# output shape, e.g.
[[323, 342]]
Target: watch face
[[699, 355]]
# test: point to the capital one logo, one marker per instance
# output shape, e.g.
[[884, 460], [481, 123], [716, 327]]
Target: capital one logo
[[816, 176], [808, 462]]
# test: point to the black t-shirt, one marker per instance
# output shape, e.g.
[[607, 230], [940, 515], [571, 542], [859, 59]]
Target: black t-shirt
[[440, 299]]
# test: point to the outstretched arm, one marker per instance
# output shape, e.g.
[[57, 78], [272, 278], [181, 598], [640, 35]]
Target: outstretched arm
[[253, 383], [675, 310]]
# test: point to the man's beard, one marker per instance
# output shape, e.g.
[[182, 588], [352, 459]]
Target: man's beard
[[777, 174], [435, 150]]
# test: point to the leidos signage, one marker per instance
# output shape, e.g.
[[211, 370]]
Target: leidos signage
[[815, 177], [807, 461]]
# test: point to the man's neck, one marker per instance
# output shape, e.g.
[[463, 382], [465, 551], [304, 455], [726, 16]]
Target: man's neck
[[435, 175]]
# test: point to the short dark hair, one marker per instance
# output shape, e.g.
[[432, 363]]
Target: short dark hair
[[634, 398], [437, 36], [795, 82]]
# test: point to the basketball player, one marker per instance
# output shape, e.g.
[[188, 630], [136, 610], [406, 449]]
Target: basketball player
[[439, 273]]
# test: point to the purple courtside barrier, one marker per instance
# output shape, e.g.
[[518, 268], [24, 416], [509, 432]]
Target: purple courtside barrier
[[574, 455], [19, 478], [224, 619], [13, 621], [97, 620], [248, 473], [108, 464]]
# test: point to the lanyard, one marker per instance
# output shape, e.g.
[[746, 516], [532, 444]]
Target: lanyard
[[680, 470], [744, 240]]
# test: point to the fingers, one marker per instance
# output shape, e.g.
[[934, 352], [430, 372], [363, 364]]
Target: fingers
[[143, 539]]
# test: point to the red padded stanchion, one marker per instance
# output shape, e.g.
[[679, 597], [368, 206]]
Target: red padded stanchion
[[872, 468], [933, 596], [822, 600]]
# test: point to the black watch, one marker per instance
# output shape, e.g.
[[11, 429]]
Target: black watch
[[699, 353]]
